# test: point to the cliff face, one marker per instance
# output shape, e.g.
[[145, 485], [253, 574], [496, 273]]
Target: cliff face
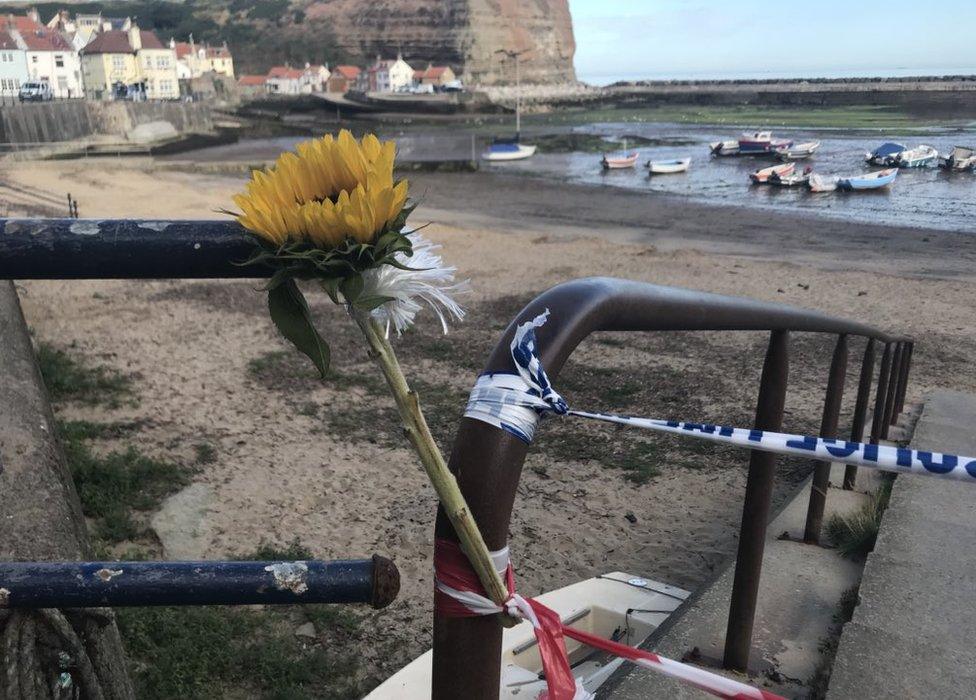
[[462, 33]]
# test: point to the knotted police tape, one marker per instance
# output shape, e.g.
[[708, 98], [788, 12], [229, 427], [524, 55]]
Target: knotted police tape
[[516, 402]]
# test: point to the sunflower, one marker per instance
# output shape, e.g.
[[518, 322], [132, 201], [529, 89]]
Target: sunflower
[[328, 191]]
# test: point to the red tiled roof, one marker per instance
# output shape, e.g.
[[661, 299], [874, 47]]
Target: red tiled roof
[[150, 40], [45, 40], [347, 71], [6, 41], [436, 71], [20, 23], [285, 72], [219, 52], [115, 41], [182, 49], [252, 80]]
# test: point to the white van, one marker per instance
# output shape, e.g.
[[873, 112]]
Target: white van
[[35, 92]]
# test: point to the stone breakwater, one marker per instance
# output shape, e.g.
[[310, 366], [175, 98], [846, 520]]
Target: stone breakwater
[[46, 122], [952, 95]]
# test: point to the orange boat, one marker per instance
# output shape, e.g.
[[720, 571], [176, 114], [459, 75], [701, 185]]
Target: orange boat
[[627, 160], [762, 175]]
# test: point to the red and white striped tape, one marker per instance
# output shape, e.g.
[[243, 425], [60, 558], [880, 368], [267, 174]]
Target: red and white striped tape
[[459, 593]]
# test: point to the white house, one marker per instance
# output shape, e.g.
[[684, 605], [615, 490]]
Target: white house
[[389, 75], [315, 78], [13, 65], [51, 58], [283, 80]]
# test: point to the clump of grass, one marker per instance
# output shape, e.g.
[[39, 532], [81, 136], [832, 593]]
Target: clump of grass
[[854, 535], [114, 486], [820, 680], [68, 379], [205, 453], [213, 652], [241, 652]]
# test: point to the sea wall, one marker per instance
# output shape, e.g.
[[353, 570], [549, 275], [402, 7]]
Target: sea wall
[[44, 122]]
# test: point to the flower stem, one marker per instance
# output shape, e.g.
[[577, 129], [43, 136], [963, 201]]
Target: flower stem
[[446, 486]]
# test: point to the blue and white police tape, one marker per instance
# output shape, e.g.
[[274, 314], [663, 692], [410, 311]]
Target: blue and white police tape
[[515, 403]]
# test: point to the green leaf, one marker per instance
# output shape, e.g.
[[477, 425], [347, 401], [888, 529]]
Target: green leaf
[[371, 301], [351, 287], [331, 287], [290, 314]]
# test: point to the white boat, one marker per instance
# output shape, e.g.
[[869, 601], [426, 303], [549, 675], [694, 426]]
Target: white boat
[[885, 154], [918, 157], [960, 158], [618, 162], [662, 167], [819, 183], [762, 175], [761, 142], [616, 606], [793, 179], [797, 151], [724, 148], [508, 151]]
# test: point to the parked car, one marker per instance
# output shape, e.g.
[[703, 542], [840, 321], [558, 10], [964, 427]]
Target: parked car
[[453, 86], [35, 92]]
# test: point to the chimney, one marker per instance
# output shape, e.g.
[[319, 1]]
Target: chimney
[[34, 15], [135, 38]]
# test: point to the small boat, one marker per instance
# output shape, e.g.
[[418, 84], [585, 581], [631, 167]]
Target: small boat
[[918, 157], [960, 158], [819, 183], [662, 167], [626, 160], [870, 181], [724, 148], [508, 150], [761, 142], [883, 154], [797, 151], [762, 175], [791, 180], [616, 606]]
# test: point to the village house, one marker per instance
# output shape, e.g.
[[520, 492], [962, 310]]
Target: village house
[[389, 75], [196, 59], [50, 57], [315, 78], [82, 28], [343, 78], [135, 60], [13, 65], [284, 80], [438, 76], [252, 85]]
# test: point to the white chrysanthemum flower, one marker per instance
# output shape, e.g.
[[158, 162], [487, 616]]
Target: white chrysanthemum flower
[[429, 282]]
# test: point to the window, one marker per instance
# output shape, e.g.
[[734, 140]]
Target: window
[[118, 62], [148, 62], [33, 59], [162, 62], [59, 60], [62, 84]]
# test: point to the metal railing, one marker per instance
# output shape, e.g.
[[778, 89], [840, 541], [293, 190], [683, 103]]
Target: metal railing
[[487, 461]]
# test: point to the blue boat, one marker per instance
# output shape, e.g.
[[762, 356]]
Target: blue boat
[[870, 181], [885, 154]]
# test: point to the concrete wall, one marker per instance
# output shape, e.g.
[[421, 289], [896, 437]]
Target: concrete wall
[[65, 121]]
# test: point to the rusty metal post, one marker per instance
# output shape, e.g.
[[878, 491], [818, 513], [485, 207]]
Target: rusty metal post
[[906, 363], [755, 508], [828, 429], [877, 421], [860, 408], [889, 405]]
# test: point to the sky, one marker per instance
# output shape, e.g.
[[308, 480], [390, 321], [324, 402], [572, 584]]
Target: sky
[[633, 39]]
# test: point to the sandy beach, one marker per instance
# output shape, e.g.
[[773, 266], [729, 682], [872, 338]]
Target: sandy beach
[[322, 461]]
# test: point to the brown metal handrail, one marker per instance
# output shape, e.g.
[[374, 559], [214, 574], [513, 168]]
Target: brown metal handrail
[[488, 461]]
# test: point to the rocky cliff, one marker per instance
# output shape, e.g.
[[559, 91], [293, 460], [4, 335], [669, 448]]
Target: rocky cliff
[[465, 34]]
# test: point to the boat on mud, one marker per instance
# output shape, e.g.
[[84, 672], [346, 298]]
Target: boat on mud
[[761, 176], [918, 157], [869, 181], [960, 158], [664, 167], [759, 142], [501, 150], [615, 606], [620, 161], [820, 183], [793, 179], [885, 153], [797, 151], [724, 148]]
